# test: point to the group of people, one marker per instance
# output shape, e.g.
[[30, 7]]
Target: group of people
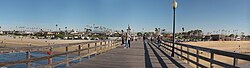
[[126, 37], [158, 39]]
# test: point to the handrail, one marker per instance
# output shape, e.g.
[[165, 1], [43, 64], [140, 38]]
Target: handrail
[[104, 47], [233, 55], [220, 52], [41, 48]]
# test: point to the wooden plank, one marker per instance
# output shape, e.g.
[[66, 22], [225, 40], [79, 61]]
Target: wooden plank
[[121, 57]]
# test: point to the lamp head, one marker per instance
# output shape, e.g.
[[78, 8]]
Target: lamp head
[[174, 4]]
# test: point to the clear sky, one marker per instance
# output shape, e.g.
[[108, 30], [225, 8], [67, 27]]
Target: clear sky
[[208, 15]]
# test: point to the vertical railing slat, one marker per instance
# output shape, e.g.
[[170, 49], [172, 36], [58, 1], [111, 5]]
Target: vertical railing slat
[[95, 49], [27, 58], [235, 60], [212, 58], [187, 55], [197, 57], [88, 51], [181, 51], [67, 56], [79, 53]]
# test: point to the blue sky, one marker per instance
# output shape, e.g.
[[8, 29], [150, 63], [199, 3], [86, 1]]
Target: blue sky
[[208, 15]]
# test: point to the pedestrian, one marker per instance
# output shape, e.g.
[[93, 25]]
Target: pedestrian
[[122, 36], [126, 42], [159, 40], [134, 38], [129, 38], [144, 39], [151, 37]]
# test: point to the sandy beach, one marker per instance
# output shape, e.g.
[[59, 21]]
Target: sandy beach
[[24, 41], [10, 42]]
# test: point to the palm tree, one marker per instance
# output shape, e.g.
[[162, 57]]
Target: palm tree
[[88, 30], [0, 27], [85, 29], [56, 27], [66, 28], [41, 30]]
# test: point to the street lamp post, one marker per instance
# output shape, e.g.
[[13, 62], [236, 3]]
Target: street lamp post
[[174, 7]]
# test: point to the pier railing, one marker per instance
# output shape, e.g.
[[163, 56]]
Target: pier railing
[[80, 52], [40, 48], [185, 51]]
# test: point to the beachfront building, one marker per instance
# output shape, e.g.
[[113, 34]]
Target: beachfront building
[[207, 38], [1, 32], [218, 37]]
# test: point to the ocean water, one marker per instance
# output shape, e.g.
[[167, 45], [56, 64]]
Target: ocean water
[[22, 56]]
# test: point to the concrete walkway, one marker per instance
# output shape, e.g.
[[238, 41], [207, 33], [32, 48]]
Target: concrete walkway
[[138, 56]]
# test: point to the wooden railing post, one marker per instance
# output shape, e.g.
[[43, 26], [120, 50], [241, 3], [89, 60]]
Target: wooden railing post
[[67, 56], [88, 51], [95, 49], [188, 55], [101, 47], [111, 46], [112, 42], [27, 58], [235, 61], [181, 52], [212, 58], [108, 45], [105, 47], [79, 53], [197, 57], [176, 51]]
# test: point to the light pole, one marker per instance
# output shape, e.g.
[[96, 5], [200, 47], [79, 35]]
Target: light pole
[[174, 7]]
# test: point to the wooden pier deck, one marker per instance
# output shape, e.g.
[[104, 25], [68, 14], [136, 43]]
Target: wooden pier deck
[[138, 56]]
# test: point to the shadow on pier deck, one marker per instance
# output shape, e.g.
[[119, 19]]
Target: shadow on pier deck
[[138, 56]]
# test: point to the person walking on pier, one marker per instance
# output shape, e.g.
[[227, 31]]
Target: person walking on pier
[[151, 36], [159, 40], [127, 42], [128, 39], [144, 39], [122, 37]]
